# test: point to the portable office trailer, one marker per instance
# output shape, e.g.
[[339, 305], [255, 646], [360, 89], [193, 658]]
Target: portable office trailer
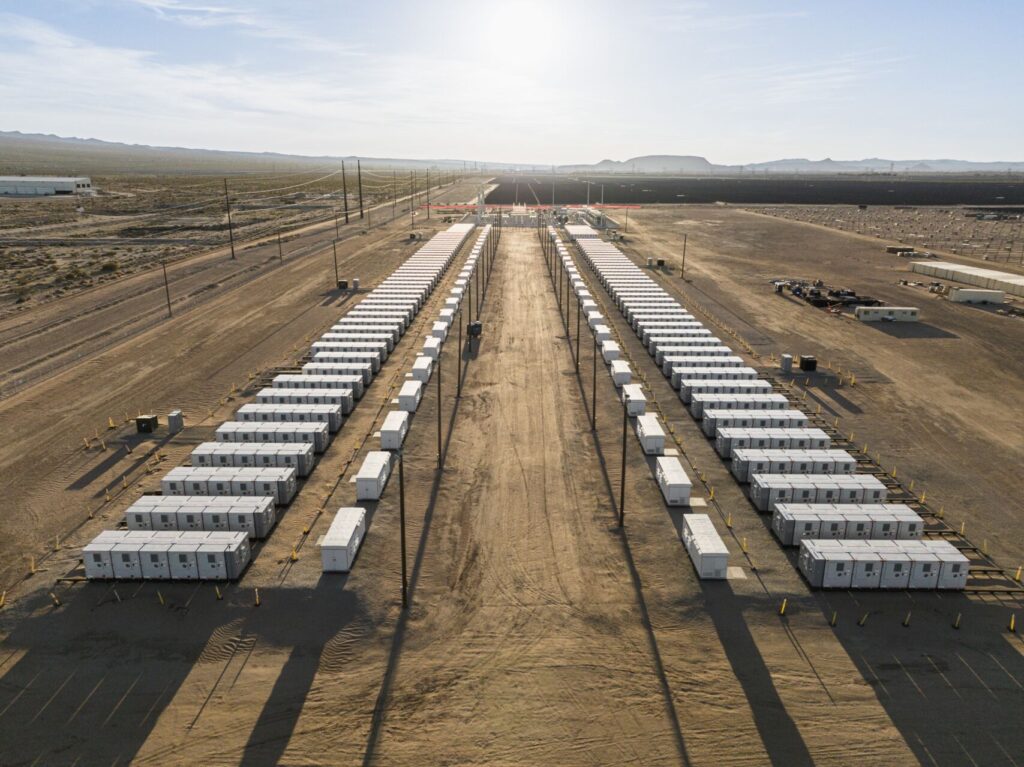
[[976, 296], [687, 388], [340, 544], [362, 369], [633, 397], [373, 475], [765, 438], [714, 419], [650, 434], [621, 373], [263, 413], [675, 484], [409, 396], [701, 402], [239, 431], [298, 381], [341, 397], [394, 429], [886, 313], [769, 490], [422, 368], [707, 551]]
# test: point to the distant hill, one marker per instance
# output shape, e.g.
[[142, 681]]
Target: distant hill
[[34, 153]]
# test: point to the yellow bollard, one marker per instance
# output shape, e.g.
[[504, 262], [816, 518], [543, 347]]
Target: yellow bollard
[[219, 595], [124, 482], [711, 495], [894, 472], [963, 527], [56, 599], [728, 523], [807, 382], [32, 565], [836, 424], [1018, 575], [817, 410], [305, 530], [85, 441], [911, 488], [257, 597], [3, 599], [103, 445], [111, 424], [906, 621], [863, 619], [835, 615], [782, 610], [106, 496], [56, 543], [96, 436], [295, 555], [956, 623], [1013, 624], [984, 546], [161, 598], [924, 495], [743, 544]]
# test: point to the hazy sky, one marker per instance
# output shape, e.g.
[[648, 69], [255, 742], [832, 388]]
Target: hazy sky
[[523, 80]]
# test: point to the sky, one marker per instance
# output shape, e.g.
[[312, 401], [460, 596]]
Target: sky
[[530, 81]]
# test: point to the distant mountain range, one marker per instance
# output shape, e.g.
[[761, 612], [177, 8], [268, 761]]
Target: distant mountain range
[[29, 153]]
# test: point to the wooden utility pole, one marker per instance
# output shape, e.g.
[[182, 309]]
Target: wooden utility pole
[[401, 516], [682, 268], [344, 189], [359, 173], [231, 234], [334, 247], [412, 198], [167, 289]]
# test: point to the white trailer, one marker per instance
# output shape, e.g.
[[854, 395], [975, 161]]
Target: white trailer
[[707, 551], [340, 544]]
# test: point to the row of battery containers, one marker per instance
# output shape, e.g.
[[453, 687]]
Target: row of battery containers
[[255, 516], [297, 455], [672, 479], [793, 522], [316, 434], [266, 413], [769, 490], [162, 555], [279, 484], [749, 461], [883, 564]]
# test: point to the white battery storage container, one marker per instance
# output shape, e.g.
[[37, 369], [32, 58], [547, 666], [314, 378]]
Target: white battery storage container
[[729, 439], [620, 371], [714, 419], [673, 481], [633, 398], [650, 434], [362, 369], [883, 564], [298, 455], [371, 358], [711, 373], [422, 368], [762, 401], [317, 434], [373, 475], [394, 429], [769, 490], [610, 351], [298, 381], [707, 551], [344, 398], [602, 333], [748, 461], [409, 396], [340, 544], [687, 388]]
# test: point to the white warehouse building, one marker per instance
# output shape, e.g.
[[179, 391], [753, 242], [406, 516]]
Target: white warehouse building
[[44, 186]]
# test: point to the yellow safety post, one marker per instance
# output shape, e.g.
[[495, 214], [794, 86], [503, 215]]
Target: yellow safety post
[[782, 609], [305, 530], [984, 546], [863, 619], [56, 599], [924, 495], [128, 449], [911, 488], [257, 597], [103, 445], [906, 621], [807, 382], [3, 599], [295, 555], [894, 472], [1013, 624], [111, 424], [728, 523], [836, 424], [219, 595], [743, 544], [85, 441], [956, 623], [106, 496], [835, 616], [711, 495], [853, 380], [56, 543], [32, 564], [1018, 574], [96, 436], [963, 527], [124, 482], [817, 410], [161, 598]]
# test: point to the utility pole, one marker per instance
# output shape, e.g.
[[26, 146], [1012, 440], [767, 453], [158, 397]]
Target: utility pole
[[231, 233], [622, 479], [280, 250], [428, 193], [337, 233], [682, 268], [412, 199], [593, 390], [458, 385], [394, 194], [359, 173], [167, 289], [440, 349], [334, 247], [401, 517], [344, 189]]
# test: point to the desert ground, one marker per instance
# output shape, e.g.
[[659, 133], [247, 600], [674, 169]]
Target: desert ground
[[539, 632]]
